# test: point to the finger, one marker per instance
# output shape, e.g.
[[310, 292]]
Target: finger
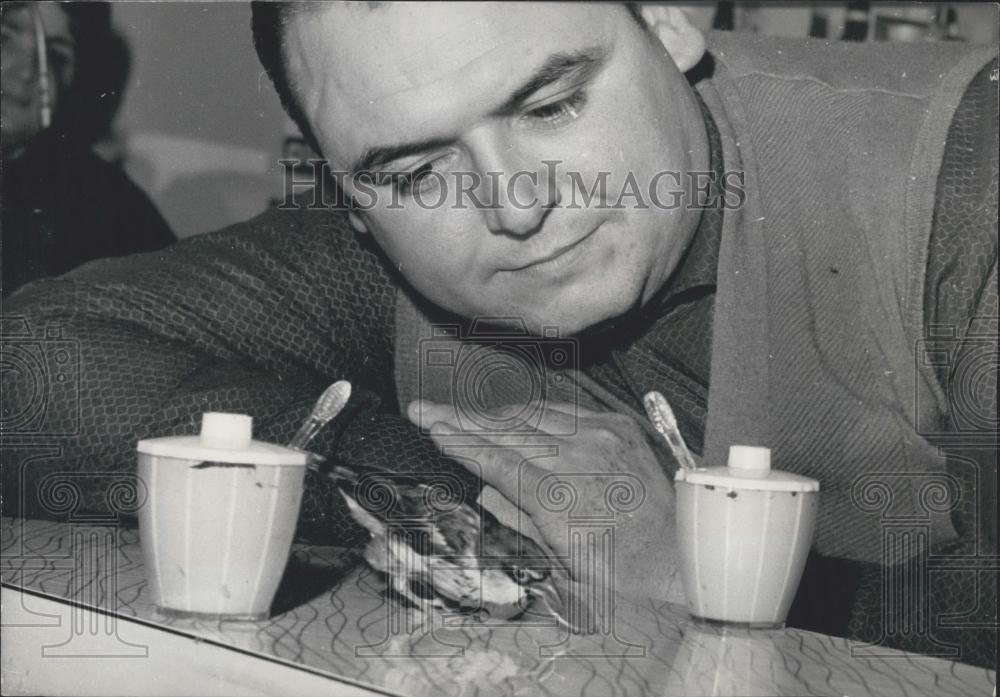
[[535, 457], [568, 420], [424, 413], [558, 419], [501, 467], [508, 418], [433, 411], [541, 448], [510, 423], [577, 411]]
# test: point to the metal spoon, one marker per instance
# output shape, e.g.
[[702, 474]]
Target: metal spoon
[[659, 412], [329, 404]]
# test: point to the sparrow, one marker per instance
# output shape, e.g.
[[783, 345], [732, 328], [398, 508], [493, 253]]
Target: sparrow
[[441, 551]]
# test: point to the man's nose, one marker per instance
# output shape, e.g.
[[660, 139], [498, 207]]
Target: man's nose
[[518, 194]]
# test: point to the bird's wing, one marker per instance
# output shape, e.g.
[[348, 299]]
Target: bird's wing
[[458, 532], [370, 522], [431, 520], [504, 539]]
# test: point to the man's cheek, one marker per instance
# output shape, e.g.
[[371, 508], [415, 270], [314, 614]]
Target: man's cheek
[[438, 276]]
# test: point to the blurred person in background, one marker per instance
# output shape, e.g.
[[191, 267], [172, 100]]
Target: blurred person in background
[[63, 74]]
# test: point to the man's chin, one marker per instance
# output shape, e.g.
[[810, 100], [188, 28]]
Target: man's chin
[[569, 311], [578, 320]]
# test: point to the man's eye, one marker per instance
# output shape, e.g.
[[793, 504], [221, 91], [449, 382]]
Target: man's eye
[[418, 179], [560, 112], [424, 178]]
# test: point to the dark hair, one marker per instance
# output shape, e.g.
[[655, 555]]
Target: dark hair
[[268, 21], [103, 62]]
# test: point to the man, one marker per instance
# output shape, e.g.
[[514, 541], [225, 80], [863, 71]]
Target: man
[[789, 313], [62, 204]]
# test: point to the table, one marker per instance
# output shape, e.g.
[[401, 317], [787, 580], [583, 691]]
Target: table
[[77, 618]]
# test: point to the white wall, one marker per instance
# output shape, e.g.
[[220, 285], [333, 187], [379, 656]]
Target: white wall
[[202, 123], [204, 126], [978, 23]]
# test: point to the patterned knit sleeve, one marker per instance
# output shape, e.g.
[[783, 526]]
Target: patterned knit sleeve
[[258, 318], [957, 612], [961, 295]]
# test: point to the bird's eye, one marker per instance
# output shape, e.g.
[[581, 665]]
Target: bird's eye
[[524, 576]]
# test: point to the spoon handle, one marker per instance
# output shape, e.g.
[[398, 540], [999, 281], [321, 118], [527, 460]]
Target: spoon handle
[[659, 412], [329, 404]]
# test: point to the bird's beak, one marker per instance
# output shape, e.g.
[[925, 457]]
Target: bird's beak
[[341, 473], [313, 462], [556, 604]]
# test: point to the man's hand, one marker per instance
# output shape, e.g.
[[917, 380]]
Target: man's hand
[[606, 471]]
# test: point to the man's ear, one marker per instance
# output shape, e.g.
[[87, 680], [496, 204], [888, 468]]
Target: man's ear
[[357, 222], [683, 41]]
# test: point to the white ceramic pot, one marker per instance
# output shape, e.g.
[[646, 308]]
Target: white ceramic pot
[[744, 532], [216, 529]]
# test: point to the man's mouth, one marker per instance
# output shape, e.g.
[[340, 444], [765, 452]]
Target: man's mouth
[[560, 258]]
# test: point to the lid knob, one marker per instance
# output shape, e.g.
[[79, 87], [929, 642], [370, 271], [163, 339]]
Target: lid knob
[[226, 431], [750, 459]]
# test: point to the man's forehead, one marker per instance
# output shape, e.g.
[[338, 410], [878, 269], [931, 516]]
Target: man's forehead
[[416, 61]]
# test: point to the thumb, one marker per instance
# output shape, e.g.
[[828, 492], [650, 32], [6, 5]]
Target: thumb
[[503, 468]]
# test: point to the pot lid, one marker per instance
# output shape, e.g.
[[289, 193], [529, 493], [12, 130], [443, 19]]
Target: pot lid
[[224, 438], [748, 468]]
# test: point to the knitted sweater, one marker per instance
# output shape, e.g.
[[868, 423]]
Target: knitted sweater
[[818, 336]]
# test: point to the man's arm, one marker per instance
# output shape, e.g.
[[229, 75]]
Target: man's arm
[[961, 299], [258, 318], [960, 323]]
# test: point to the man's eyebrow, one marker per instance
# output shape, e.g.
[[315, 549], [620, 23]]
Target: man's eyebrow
[[581, 64], [375, 158]]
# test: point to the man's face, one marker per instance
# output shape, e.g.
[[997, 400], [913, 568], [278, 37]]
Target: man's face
[[502, 88], [20, 93]]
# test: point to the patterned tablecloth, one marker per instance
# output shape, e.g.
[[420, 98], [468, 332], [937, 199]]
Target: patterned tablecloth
[[331, 616]]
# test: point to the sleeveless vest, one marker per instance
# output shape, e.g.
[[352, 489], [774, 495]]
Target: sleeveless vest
[[818, 329]]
